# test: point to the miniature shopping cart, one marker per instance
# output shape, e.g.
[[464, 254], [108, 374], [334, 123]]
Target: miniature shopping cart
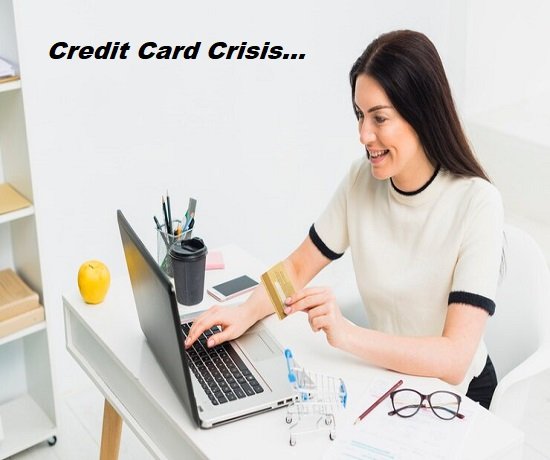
[[317, 399]]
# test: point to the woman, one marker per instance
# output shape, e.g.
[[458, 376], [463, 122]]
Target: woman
[[422, 221]]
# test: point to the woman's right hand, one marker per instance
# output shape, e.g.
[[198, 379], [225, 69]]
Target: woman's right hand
[[234, 322]]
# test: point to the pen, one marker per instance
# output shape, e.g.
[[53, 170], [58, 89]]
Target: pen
[[159, 228], [189, 228], [188, 221], [169, 211], [190, 213], [377, 402], [157, 223], [166, 221]]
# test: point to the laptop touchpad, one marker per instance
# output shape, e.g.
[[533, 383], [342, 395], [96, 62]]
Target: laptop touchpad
[[255, 346]]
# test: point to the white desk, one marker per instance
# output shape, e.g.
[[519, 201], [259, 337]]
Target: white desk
[[107, 342]]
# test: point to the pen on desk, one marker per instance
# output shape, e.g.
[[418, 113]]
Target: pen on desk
[[377, 402]]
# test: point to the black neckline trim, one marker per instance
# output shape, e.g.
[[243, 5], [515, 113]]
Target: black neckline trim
[[421, 189]]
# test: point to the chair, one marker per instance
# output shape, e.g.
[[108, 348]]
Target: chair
[[518, 335]]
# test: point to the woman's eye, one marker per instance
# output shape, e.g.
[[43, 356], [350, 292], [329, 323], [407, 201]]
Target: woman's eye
[[379, 119]]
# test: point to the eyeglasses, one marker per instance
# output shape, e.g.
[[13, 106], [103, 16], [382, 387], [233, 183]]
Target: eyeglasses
[[407, 402]]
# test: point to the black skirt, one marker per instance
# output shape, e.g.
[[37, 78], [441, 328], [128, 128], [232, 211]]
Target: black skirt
[[483, 386]]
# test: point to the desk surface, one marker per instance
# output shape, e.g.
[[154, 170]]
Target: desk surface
[[107, 342]]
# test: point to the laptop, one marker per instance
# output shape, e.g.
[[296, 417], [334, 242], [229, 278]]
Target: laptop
[[243, 377]]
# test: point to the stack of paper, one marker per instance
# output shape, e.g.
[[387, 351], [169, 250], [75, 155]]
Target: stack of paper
[[6, 69]]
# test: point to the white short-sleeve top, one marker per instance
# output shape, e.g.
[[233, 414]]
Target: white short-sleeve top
[[415, 253]]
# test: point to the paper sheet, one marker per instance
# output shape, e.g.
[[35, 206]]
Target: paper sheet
[[382, 437], [6, 69]]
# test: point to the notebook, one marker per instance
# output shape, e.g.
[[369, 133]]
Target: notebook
[[237, 379]]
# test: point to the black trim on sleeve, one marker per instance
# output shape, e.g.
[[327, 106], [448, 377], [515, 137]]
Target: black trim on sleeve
[[318, 242], [475, 300]]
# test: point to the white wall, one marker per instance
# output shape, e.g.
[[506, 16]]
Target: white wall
[[507, 105], [260, 144], [507, 58]]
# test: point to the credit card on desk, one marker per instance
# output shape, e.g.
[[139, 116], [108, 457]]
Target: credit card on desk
[[278, 287]]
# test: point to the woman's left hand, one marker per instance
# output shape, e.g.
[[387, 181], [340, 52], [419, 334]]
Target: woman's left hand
[[323, 313]]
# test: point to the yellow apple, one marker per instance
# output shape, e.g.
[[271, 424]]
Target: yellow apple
[[93, 281]]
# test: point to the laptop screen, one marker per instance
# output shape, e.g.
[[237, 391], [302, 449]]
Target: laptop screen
[[158, 314]]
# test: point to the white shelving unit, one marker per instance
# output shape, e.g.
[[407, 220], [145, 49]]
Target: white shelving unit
[[27, 403]]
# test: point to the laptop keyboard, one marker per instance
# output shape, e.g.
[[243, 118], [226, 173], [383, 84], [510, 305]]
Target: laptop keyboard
[[220, 370]]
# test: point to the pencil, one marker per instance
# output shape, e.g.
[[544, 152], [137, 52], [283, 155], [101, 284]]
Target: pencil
[[377, 402]]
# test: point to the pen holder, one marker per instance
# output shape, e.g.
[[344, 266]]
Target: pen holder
[[165, 240]]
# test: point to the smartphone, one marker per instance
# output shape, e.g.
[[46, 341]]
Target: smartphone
[[232, 288]]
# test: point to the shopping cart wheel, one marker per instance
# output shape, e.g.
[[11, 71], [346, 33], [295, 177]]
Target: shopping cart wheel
[[288, 419], [332, 435], [328, 420], [292, 441]]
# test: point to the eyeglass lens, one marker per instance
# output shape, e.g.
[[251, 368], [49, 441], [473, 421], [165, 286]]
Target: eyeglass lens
[[406, 402], [444, 404]]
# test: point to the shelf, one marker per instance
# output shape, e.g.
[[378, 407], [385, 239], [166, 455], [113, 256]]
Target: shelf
[[25, 424], [27, 400], [23, 333], [14, 215], [10, 85]]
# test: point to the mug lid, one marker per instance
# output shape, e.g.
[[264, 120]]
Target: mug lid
[[191, 249]]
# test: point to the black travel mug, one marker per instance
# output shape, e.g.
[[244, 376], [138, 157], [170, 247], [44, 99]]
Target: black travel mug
[[189, 263]]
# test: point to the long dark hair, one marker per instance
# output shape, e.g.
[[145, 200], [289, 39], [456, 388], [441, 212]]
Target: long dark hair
[[407, 66]]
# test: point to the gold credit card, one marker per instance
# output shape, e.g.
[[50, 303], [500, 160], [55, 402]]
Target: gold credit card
[[278, 287]]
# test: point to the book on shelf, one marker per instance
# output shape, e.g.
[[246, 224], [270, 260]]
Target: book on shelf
[[16, 298], [11, 199], [22, 321]]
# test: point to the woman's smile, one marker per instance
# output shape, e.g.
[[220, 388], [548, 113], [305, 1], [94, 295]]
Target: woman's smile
[[377, 156]]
